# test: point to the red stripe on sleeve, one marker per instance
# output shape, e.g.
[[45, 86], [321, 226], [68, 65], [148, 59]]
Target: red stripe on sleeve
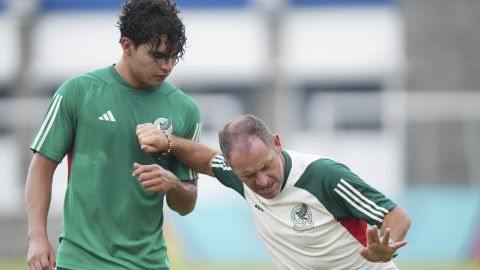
[[356, 227], [69, 159]]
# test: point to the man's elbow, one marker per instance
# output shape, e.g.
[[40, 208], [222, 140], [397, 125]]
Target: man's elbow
[[187, 210], [405, 217], [184, 208], [408, 221], [400, 216], [184, 213]]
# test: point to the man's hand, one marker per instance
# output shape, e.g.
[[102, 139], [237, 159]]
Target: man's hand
[[151, 139], [154, 178], [41, 255], [379, 250]]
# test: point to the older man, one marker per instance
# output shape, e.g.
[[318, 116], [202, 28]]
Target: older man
[[311, 212]]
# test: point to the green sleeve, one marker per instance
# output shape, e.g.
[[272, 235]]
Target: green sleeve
[[54, 136], [343, 193], [225, 175], [192, 130]]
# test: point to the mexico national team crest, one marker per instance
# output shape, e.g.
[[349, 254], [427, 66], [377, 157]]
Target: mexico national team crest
[[164, 124], [302, 217]]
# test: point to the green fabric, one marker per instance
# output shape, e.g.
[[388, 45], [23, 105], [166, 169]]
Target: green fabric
[[110, 221], [323, 176], [288, 168], [226, 176]]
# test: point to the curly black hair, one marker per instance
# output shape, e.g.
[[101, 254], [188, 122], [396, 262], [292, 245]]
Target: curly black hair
[[144, 21]]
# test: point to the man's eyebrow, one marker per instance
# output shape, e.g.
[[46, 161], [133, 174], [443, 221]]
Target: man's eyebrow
[[246, 174], [157, 53], [267, 164]]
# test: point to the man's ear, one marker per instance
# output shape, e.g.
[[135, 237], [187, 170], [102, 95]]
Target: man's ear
[[276, 142], [228, 162], [127, 46]]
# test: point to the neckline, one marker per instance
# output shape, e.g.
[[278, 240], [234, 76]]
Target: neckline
[[287, 169], [128, 86]]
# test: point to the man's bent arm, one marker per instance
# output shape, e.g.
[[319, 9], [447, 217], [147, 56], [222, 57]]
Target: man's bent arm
[[181, 196], [398, 222], [182, 199], [198, 157], [193, 154], [395, 226]]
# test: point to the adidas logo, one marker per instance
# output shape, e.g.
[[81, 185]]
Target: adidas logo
[[259, 208], [108, 116]]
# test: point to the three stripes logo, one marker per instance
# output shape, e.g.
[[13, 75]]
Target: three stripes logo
[[359, 201], [219, 162], [47, 123], [108, 116]]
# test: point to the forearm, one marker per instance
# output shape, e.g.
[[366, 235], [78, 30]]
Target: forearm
[[38, 191], [398, 222], [182, 199], [37, 202], [193, 154]]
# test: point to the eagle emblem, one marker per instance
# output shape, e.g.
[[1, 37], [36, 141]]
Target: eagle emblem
[[302, 217], [164, 124]]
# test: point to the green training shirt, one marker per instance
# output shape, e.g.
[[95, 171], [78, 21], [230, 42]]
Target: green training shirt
[[110, 221], [318, 220]]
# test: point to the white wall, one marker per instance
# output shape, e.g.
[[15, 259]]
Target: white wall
[[232, 45]]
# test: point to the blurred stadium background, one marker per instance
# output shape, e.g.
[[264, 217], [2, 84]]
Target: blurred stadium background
[[390, 88]]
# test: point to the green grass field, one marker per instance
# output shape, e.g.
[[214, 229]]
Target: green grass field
[[19, 264]]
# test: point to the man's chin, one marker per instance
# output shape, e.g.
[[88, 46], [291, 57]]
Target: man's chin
[[269, 195]]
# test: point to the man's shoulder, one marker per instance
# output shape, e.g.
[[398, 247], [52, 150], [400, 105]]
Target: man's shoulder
[[314, 161], [102, 75], [85, 81], [177, 95], [309, 162], [310, 169], [168, 88], [98, 75]]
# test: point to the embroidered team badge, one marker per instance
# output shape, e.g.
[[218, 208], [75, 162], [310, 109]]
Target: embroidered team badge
[[302, 217], [164, 124]]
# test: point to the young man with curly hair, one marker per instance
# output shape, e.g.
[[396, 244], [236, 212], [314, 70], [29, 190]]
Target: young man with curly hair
[[110, 220]]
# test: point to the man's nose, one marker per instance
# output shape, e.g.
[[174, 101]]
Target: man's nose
[[262, 179], [165, 65]]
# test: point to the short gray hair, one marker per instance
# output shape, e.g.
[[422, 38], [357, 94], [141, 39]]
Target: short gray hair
[[236, 133]]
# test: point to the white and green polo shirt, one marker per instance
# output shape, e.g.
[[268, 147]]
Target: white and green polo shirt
[[319, 218]]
